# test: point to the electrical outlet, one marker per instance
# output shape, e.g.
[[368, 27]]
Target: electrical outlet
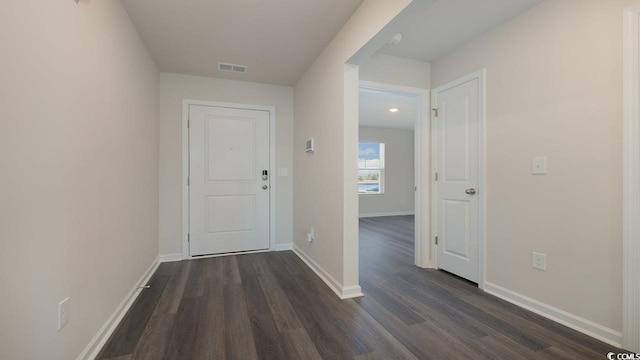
[[539, 261], [63, 313]]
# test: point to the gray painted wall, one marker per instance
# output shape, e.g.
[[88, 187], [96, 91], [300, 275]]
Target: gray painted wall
[[398, 177]]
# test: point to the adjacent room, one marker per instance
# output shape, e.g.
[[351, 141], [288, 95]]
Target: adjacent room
[[336, 179]]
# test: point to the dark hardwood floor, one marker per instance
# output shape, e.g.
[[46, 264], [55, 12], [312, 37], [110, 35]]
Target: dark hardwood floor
[[272, 306]]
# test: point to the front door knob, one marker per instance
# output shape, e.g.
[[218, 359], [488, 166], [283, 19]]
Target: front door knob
[[470, 191], [265, 187]]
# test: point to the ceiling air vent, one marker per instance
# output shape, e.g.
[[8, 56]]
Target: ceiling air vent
[[232, 68]]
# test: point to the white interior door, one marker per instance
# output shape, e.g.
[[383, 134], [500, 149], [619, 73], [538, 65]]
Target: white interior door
[[229, 191], [457, 149]]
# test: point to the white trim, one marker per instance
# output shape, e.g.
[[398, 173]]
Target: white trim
[[183, 178], [392, 213], [95, 345], [273, 177], [185, 165], [170, 257], [350, 292], [482, 178], [350, 198], [421, 156], [282, 247], [575, 322], [631, 182], [481, 76], [343, 292]]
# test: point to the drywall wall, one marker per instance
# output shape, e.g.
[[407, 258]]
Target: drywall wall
[[173, 89], [325, 182], [554, 89], [398, 197], [395, 70], [79, 184]]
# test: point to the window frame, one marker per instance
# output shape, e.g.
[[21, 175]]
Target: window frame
[[380, 169]]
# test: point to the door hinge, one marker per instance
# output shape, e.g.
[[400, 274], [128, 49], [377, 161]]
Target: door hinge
[[436, 176], [415, 188], [188, 238], [188, 123], [435, 110], [188, 180], [436, 240]]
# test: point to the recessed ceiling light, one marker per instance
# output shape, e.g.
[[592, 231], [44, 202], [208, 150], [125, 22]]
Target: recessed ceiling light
[[393, 109]]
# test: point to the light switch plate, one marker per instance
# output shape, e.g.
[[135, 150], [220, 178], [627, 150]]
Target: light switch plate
[[539, 166], [63, 313]]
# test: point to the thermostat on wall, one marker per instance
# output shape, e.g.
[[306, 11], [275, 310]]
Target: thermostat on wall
[[309, 146]]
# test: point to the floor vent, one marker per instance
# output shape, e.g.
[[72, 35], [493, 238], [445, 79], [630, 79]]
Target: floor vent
[[232, 68]]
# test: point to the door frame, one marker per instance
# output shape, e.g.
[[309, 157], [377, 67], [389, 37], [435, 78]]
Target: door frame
[[185, 170], [631, 179], [480, 75], [420, 162]]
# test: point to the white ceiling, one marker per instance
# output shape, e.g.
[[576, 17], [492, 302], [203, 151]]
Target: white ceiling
[[450, 23], [279, 39], [276, 39], [374, 110], [443, 27]]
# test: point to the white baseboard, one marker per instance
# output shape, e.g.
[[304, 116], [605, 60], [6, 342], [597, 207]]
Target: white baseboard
[[282, 247], [394, 213], [343, 292], [350, 292], [170, 257], [95, 345], [582, 325]]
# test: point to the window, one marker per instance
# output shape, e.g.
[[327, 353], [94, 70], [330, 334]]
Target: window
[[370, 168]]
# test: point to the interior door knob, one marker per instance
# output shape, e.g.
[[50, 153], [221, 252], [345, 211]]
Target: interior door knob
[[470, 191], [265, 187]]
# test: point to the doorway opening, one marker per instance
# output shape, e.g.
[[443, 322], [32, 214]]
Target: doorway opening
[[392, 163]]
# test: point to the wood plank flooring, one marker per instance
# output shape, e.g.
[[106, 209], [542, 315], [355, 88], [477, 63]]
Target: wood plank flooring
[[272, 306]]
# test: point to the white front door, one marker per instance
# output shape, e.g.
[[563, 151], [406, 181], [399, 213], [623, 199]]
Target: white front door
[[229, 182], [457, 154]]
